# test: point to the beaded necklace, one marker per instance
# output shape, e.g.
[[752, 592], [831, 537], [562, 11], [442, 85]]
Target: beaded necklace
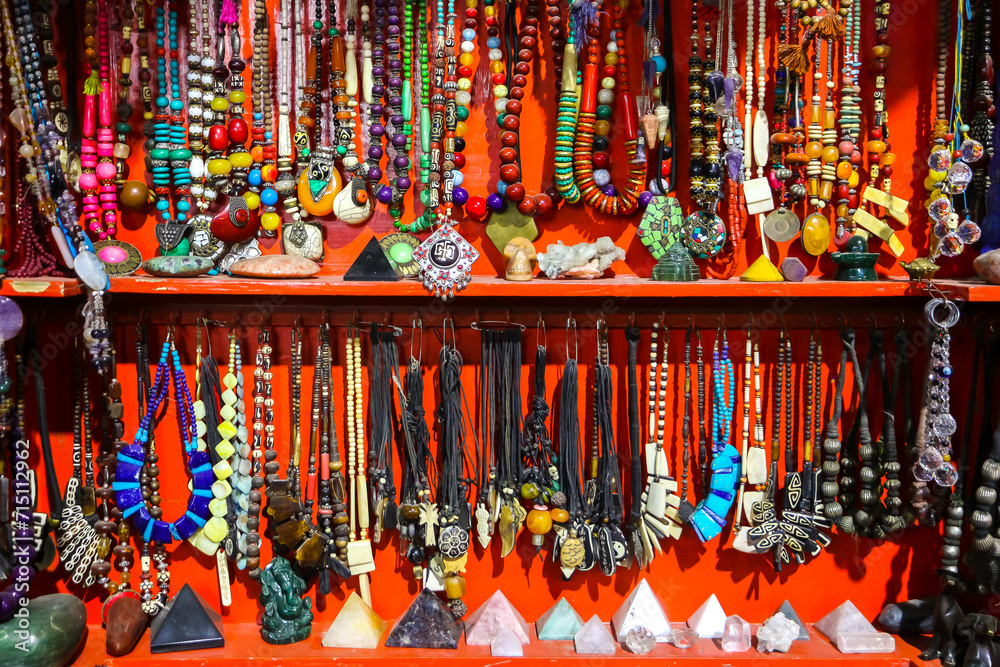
[[156, 533], [320, 182], [353, 204], [399, 131], [423, 120], [710, 515], [285, 181], [42, 146], [660, 502], [39, 146], [565, 182], [360, 557], [263, 151], [753, 477], [705, 232], [170, 156], [606, 198]]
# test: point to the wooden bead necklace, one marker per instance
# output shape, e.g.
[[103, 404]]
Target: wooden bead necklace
[[360, 557], [262, 446]]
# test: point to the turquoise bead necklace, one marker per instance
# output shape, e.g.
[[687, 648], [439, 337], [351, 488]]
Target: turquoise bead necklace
[[722, 402], [170, 155]]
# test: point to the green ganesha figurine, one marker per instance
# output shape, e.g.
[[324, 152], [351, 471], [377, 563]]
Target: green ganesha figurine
[[287, 615]]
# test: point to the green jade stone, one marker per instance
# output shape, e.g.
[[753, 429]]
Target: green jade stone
[[855, 263], [287, 614], [560, 622], [56, 626], [181, 249], [425, 130], [407, 101], [401, 253]]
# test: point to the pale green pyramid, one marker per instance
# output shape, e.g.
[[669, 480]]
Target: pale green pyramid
[[356, 626], [560, 622]]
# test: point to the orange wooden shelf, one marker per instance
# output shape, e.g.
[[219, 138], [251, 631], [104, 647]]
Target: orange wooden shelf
[[621, 287], [245, 647], [46, 286]]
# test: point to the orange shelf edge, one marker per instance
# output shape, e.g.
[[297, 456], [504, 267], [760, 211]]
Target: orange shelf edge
[[48, 286], [621, 287], [245, 647]]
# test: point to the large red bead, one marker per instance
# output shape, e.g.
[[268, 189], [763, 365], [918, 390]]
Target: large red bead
[[527, 206], [508, 154], [543, 204], [476, 207], [459, 160], [511, 123], [238, 131], [218, 138], [509, 173], [601, 160], [514, 192], [514, 107], [509, 139]]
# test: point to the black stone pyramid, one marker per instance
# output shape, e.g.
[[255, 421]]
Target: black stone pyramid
[[428, 623], [372, 264], [186, 623]]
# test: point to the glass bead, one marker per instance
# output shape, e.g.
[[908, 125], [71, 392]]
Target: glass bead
[[939, 160], [944, 426], [968, 232], [950, 245], [959, 176], [922, 473], [971, 150], [939, 209], [930, 458], [946, 475]]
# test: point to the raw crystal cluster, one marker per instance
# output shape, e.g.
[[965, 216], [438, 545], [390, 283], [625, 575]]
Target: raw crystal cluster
[[777, 634], [583, 260]]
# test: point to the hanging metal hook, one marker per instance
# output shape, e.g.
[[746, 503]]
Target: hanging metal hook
[[571, 323], [417, 331]]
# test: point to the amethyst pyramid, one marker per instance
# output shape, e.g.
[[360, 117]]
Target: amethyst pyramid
[[428, 623]]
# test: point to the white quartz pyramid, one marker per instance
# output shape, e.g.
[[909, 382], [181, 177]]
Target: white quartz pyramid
[[710, 620], [641, 609]]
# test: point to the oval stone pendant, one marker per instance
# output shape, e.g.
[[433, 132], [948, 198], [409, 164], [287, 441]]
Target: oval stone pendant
[[816, 234]]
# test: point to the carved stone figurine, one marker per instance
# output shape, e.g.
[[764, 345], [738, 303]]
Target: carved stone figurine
[[287, 615], [948, 616], [519, 259], [977, 632]]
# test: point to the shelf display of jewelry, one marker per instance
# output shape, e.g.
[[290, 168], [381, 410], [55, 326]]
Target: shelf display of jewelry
[[241, 173]]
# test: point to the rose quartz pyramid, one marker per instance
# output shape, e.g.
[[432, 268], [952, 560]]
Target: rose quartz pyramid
[[506, 645], [845, 619], [494, 614], [641, 609], [594, 638]]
